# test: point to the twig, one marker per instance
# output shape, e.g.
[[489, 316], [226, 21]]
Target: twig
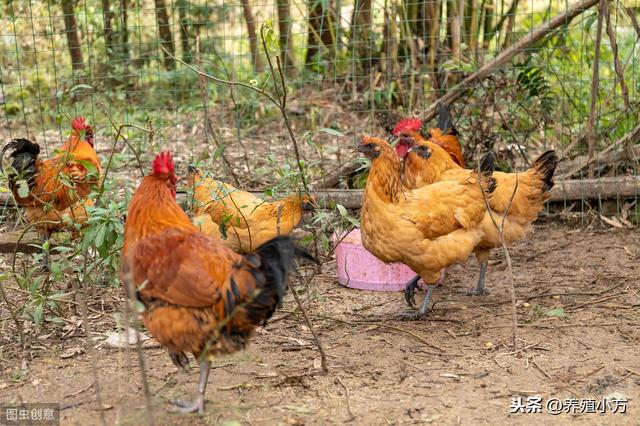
[[535, 364], [388, 326], [127, 278], [346, 389], [616, 59], [634, 21], [126, 141], [282, 104], [78, 392], [205, 107], [227, 82], [590, 133], [13, 314], [323, 355], [80, 290], [503, 243]]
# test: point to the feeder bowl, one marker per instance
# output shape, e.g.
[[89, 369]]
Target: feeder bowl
[[358, 268]]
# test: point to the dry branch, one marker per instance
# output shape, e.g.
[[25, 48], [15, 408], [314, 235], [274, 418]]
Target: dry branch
[[520, 46]]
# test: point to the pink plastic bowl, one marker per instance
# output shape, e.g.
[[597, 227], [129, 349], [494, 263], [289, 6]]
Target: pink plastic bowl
[[358, 268]]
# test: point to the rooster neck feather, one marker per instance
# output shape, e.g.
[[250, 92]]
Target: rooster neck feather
[[152, 210]]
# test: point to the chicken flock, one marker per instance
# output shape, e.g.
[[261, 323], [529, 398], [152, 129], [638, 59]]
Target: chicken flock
[[209, 279]]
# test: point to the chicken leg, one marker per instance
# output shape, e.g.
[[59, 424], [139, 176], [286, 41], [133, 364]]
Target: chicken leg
[[410, 288], [480, 288], [482, 256], [424, 307], [198, 404]]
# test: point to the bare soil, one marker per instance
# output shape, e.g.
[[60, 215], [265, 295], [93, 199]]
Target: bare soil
[[456, 366]]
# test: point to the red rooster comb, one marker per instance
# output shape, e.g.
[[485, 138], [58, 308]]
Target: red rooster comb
[[407, 124], [79, 124], [163, 163]]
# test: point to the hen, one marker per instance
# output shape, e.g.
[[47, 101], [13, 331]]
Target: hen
[[54, 192], [427, 228], [238, 219], [199, 296], [427, 163]]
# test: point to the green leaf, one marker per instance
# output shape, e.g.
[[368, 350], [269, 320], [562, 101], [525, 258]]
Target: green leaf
[[80, 86], [342, 210], [330, 131], [37, 314], [100, 236], [23, 188], [558, 313]]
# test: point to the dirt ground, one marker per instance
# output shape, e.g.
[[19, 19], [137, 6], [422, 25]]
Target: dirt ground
[[456, 366]]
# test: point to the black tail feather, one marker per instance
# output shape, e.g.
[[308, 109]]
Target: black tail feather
[[24, 154], [444, 119], [546, 166], [276, 261], [487, 165]]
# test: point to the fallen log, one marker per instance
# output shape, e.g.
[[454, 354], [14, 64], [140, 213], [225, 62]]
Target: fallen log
[[564, 190]]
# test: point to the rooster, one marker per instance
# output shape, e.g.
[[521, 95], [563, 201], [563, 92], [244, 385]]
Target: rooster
[[444, 134], [427, 163], [427, 228], [54, 192], [199, 296], [238, 219]]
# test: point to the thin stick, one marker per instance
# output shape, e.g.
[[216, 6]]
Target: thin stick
[[521, 45], [130, 291], [208, 127], [282, 104], [512, 290], [323, 355], [590, 133], [346, 389], [616, 59], [80, 288], [227, 82]]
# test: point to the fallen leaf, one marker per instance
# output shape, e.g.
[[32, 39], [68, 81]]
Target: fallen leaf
[[450, 376], [71, 352], [317, 364], [125, 338]]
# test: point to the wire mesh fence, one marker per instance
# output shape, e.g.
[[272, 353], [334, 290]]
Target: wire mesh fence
[[346, 64]]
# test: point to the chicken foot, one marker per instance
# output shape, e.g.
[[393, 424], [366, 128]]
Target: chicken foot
[[410, 288], [424, 306], [182, 406]]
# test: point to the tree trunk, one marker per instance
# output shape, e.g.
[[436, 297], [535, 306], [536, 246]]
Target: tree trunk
[[253, 39], [284, 30], [182, 7], [321, 35], [124, 33], [73, 37], [489, 11], [109, 33], [361, 23], [162, 18], [109, 40]]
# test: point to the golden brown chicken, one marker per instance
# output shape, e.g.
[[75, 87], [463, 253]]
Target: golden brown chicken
[[54, 192], [199, 296], [427, 163], [427, 228], [238, 219]]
